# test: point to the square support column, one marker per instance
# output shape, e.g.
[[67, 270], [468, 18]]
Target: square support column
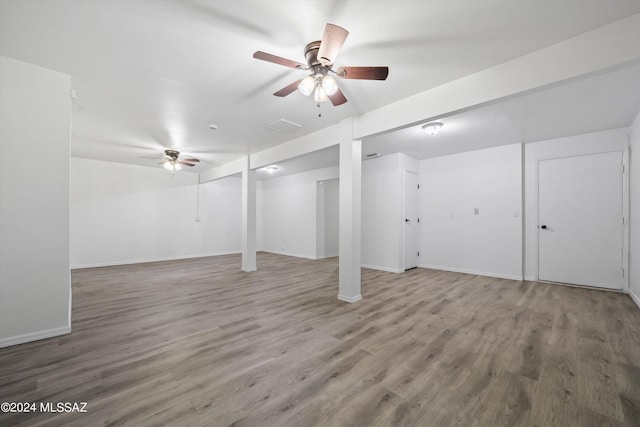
[[248, 218], [350, 219]]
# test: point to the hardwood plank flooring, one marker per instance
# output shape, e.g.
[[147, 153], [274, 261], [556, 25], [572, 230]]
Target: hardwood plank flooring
[[199, 343]]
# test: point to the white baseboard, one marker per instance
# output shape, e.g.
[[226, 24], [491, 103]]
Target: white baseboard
[[634, 297], [34, 336], [327, 256], [530, 278], [289, 254], [387, 269], [349, 299], [474, 272], [142, 261]]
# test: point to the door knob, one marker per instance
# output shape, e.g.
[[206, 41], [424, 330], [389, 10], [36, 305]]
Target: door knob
[[407, 220], [544, 227]]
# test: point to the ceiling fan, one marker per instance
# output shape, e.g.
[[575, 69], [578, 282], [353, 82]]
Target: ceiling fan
[[320, 56], [172, 161]]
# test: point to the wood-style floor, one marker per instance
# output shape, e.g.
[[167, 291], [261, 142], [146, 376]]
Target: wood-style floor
[[199, 343]]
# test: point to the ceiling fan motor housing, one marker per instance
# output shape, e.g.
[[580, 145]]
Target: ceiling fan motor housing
[[311, 54], [173, 154]]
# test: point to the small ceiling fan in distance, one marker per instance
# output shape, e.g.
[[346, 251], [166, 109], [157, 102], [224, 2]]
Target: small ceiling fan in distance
[[172, 161], [320, 56]]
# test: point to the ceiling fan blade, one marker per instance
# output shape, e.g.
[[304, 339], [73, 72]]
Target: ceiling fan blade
[[190, 159], [363, 73], [182, 162], [337, 98], [288, 89], [278, 60], [332, 40]]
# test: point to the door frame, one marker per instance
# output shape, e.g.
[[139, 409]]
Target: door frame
[[404, 215], [625, 210]]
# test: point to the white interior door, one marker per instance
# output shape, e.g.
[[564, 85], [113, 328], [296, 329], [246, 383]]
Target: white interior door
[[580, 220], [410, 220]]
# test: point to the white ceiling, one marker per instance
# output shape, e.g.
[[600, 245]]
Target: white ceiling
[[590, 104], [154, 74], [603, 101]]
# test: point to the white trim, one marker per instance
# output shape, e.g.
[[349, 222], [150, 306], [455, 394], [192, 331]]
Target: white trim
[[350, 299], [143, 261], [474, 272], [403, 228], [387, 269], [634, 297], [626, 214], [530, 278], [592, 143], [34, 336], [327, 256], [289, 254], [624, 205]]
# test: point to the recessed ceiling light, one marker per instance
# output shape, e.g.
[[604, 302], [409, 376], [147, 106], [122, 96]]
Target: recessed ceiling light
[[432, 128], [271, 169]]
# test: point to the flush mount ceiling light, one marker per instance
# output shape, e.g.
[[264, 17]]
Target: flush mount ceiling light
[[271, 169], [432, 128]]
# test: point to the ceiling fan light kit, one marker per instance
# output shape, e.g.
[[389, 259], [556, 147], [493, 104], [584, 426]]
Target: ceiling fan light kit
[[172, 166], [307, 85], [320, 56]]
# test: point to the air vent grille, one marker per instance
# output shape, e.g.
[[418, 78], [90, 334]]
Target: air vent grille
[[283, 126]]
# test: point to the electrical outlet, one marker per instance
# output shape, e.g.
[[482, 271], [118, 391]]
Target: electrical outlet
[[476, 211]]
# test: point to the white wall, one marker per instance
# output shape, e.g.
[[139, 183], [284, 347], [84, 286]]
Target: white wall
[[598, 142], [382, 211], [634, 251], [289, 212], [452, 237], [331, 217], [35, 122], [327, 218], [124, 214]]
